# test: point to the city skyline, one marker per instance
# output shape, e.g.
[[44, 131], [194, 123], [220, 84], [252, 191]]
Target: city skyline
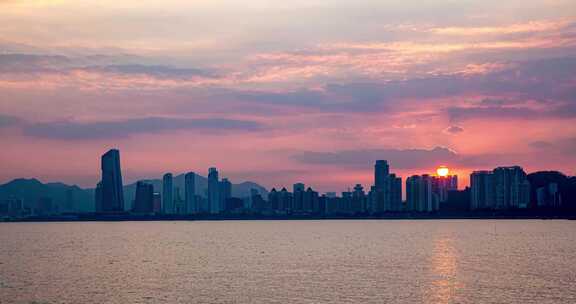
[[503, 188], [183, 86], [265, 151]]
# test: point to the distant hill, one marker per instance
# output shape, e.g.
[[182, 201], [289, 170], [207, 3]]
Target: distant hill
[[31, 190]]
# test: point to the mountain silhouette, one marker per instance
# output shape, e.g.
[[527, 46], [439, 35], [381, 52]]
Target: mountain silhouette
[[75, 199]]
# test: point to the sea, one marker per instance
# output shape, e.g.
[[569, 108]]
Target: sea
[[289, 261]]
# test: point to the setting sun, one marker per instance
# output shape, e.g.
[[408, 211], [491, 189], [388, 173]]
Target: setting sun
[[442, 171]]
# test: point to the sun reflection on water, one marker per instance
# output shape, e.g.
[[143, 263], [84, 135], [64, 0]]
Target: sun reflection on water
[[444, 282]]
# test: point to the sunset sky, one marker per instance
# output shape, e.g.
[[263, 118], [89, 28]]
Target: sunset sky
[[283, 91]]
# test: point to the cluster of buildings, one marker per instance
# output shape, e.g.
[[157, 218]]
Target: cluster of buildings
[[424, 193], [499, 189], [15, 207], [504, 188]]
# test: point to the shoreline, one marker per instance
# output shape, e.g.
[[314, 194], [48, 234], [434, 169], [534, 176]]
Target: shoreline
[[159, 218]]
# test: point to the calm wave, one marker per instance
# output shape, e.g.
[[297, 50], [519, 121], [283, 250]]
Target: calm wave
[[435, 261]]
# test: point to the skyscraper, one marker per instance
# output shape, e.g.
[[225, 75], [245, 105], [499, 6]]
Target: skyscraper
[[386, 194], [358, 199], [442, 184], [213, 191], [419, 196], [190, 193], [112, 193], [225, 191], [285, 201], [512, 187], [482, 190], [502, 188], [310, 201], [157, 202], [144, 200], [381, 172], [273, 199], [179, 203], [298, 196], [168, 194], [395, 193]]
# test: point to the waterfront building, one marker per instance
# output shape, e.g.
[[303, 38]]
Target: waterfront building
[[112, 193]]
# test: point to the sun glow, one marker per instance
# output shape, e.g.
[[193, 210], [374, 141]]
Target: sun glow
[[442, 171]]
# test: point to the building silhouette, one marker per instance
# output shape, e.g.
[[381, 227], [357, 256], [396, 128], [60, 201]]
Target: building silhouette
[[310, 201], [549, 196], [359, 200], [419, 195], [214, 191], [192, 204], [157, 202], [144, 199], [512, 188], [112, 195], [441, 185], [502, 188], [386, 193], [179, 203], [168, 194], [225, 192], [482, 190], [298, 197]]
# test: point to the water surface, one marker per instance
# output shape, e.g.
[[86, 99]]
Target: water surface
[[356, 261]]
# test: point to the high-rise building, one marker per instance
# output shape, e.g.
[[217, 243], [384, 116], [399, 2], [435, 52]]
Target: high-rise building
[[512, 187], [192, 204], [310, 201], [179, 203], [157, 202], [386, 194], [395, 193], [419, 195], [214, 191], [144, 200], [298, 196], [442, 184], [548, 196], [256, 202], [273, 199], [285, 201], [112, 192], [358, 199], [168, 194], [225, 192], [503, 188], [482, 190], [381, 172]]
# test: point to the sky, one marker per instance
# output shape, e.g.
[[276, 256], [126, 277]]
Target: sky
[[278, 92]]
